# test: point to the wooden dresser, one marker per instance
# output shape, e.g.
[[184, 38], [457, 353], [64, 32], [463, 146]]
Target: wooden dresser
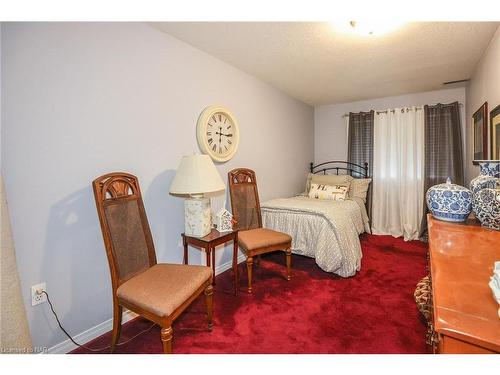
[[462, 256]]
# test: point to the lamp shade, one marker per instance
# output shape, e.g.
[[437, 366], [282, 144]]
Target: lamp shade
[[196, 175]]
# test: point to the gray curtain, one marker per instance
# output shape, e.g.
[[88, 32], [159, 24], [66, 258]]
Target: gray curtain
[[360, 144], [443, 147]]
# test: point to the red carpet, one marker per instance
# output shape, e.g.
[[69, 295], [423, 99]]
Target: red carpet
[[315, 312]]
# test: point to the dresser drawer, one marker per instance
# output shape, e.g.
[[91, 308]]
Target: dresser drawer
[[450, 345]]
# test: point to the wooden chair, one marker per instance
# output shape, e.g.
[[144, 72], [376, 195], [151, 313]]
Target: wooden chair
[[158, 292], [252, 238]]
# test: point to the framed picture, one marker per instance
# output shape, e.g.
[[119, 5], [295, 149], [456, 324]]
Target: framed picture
[[495, 133], [480, 134]]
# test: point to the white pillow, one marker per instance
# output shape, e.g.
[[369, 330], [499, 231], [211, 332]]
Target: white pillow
[[328, 192], [359, 188], [328, 179]]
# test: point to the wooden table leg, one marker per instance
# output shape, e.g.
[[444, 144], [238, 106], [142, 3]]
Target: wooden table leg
[[213, 264], [184, 242], [235, 263], [207, 251]]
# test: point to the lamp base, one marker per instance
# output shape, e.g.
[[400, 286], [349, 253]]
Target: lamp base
[[197, 217]]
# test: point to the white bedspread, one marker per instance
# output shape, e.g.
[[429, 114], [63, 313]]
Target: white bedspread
[[325, 230]]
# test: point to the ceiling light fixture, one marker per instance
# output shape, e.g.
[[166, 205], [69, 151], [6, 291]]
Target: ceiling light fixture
[[369, 27]]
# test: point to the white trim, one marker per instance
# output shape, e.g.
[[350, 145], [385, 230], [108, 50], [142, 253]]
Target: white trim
[[106, 326], [90, 334], [225, 266]]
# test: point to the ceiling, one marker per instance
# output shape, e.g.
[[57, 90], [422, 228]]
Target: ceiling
[[317, 64]]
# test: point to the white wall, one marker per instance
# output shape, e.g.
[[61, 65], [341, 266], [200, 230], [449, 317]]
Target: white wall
[[330, 127], [83, 99], [483, 86]]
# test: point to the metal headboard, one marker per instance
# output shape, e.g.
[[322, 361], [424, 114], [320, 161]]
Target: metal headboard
[[352, 169], [355, 170]]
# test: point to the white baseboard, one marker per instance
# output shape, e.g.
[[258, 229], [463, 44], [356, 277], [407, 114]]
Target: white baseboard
[[100, 329], [225, 266], [90, 334]]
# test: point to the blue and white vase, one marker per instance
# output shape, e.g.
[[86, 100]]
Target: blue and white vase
[[486, 195], [487, 205], [489, 173], [449, 202]]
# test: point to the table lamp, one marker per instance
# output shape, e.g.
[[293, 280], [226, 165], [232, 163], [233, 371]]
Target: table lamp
[[196, 177]]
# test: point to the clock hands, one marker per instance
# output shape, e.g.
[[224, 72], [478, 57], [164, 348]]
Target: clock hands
[[220, 134]]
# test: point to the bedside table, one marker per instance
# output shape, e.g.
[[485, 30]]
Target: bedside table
[[209, 242]]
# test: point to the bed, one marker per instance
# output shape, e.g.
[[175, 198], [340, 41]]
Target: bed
[[326, 230]]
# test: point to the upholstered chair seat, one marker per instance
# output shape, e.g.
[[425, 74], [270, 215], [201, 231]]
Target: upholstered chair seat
[[163, 288], [260, 238]]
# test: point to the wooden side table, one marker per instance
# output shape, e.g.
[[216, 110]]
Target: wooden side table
[[209, 242]]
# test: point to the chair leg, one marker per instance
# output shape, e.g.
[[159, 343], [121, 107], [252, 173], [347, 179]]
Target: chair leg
[[117, 325], [209, 291], [166, 339], [249, 273], [288, 264]]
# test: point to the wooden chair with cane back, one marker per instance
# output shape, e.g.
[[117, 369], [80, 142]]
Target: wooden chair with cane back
[[157, 291], [253, 239]]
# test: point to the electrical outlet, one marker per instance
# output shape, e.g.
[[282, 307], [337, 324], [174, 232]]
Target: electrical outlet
[[37, 297]]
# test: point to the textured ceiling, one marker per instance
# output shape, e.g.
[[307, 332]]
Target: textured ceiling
[[317, 64]]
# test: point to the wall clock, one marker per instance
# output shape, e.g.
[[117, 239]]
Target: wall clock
[[217, 133]]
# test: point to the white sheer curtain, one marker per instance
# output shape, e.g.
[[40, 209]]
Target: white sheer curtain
[[398, 185]]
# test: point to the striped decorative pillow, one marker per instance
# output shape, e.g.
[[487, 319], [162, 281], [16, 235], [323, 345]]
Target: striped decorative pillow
[[328, 192]]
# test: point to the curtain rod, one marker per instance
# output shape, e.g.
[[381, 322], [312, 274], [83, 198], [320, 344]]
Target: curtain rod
[[392, 110]]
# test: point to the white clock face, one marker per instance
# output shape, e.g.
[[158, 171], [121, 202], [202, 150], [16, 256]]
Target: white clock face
[[220, 134], [217, 133]]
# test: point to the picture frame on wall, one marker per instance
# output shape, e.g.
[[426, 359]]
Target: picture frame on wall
[[495, 133], [480, 134]]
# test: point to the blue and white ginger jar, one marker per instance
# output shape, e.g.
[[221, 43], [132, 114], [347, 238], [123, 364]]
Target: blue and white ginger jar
[[486, 194], [449, 202], [487, 205], [489, 173]]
